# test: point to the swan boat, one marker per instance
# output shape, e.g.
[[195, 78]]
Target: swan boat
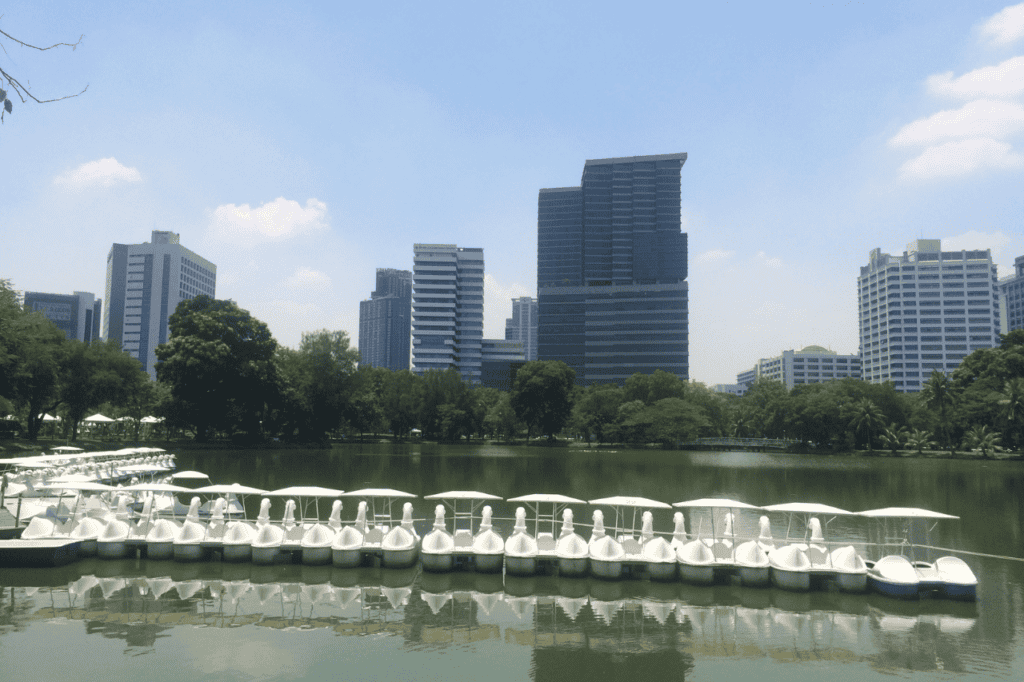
[[660, 562], [233, 537], [481, 549], [377, 503], [796, 564], [266, 544], [572, 550], [187, 544], [307, 533], [721, 560], [545, 508], [897, 576]]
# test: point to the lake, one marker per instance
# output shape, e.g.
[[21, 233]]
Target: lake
[[139, 619]]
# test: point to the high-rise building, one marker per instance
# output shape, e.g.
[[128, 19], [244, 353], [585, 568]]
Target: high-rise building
[[1011, 294], [611, 271], [499, 361], [522, 326], [924, 311], [78, 315], [447, 309], [384, 321], [145, 283], [810, 365]]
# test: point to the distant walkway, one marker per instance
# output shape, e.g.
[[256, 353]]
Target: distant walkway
[[754, 444]]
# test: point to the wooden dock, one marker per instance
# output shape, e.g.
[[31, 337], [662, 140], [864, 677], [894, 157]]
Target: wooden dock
[[38, 553]]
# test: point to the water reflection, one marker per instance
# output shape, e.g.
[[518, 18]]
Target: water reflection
[[605, 628]]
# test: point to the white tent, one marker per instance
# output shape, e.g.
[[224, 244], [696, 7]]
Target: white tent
[[98, 419], [50, 418], [152, 420]]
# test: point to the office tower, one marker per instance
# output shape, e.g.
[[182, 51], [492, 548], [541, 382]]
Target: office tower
[[1011, 290], [384, 321], [447, 309], [522, 326], [810, 365], [78, 315], [145, 283], [924, 311], [611, 271], [500, 359]]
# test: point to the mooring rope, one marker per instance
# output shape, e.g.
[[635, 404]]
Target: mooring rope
[[964, 551]]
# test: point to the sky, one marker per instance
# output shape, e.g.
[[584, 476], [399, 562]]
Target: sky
[[300, 146]]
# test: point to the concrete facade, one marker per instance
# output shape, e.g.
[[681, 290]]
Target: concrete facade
[[385, 321], [925, 311], [1011, 298], [809, 365], [522, 326], [77, 315]]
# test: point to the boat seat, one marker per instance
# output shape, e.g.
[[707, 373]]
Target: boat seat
[[818, 556], [722, 551], [546, 542], [631, 545], [374, 536], [463, 539]]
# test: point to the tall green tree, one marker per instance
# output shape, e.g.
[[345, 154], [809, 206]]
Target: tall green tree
[[219, 363], [939, 394], [542, 395], [596, 410], [865, 418], [403, 402], [96, 373], [650, 388]]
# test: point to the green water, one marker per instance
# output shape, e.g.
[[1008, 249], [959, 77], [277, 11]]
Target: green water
[[138, 619]]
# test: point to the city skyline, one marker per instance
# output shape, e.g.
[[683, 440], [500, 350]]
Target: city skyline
[[270, 142]]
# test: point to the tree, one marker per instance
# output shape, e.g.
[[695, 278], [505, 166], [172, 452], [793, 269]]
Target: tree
[[326, 384], [894, 437], [501, 419], [446, 390], [980, 438], [865, 417], [96, 373], [674, 420], [20, 90], [918, 440], [1013, 409], [220, 365], [939, 394], [41, 349], [402, 401], [596, 410], [650, 388], [542, 395]]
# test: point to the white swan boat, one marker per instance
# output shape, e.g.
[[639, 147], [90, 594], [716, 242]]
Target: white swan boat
[[466, 525], [628, 536], [317, 540], [347, 547], [520, 548], [693, 561], [235, 543], [400, 545], [305, 520], [488, 546], [951, 576], [268, 539], [658, 554], [545, 508], [751, 557], [377, 520], [112, 542], [572, 550], [438, 547], [187, 544], [788, 566], [605, 552]]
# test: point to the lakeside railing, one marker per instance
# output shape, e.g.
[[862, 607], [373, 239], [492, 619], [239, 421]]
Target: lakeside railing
[[731, 443]]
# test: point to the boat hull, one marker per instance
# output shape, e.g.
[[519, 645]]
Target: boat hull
[[316, 556], [520, 565], [117, 549], [897, 590], [192, 551], [755, 576], [959, 592], [440, 562], [346, 558], [852, 582], [573, 568], [661, 570], [264, 556], [606, 570], [488, 563], [236, 553], [794, 581], [160, 550], [398, 558]]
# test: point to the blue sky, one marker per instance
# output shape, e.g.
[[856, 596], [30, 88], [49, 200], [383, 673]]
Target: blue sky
[[300, 149]]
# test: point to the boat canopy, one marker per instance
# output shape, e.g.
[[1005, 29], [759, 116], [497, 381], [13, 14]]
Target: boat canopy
[[805, 508], [27, 462], [157, 488], [79, 485], [304, 491], [462, 495], [71, 478], [189, 474], [376, 492], [546, 498], [224, 489], [716, 502], [628, 501], [66, 449], [906, 512]]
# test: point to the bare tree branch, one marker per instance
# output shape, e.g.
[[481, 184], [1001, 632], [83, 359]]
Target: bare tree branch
[[44, 49], [21, 90]]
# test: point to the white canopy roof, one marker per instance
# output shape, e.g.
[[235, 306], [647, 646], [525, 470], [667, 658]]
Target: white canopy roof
[[628, 501], [71, 478], [715, 502], [545, 497], [906, 512], [189, 474], [223, 489], [805, 508], [304, 491], [50, 418], [377, 492], [97, 418], [27, 462], [78, 485], [160, 488], [462, 495], [66, 448]]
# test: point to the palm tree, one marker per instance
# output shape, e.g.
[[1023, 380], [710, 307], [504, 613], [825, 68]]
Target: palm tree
[[919, 440], [894, 437], [1013, 409], [980, 438], [938, 394], [868, 418]]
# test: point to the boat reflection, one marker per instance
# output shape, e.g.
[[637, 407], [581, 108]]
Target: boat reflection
[[673, 623]]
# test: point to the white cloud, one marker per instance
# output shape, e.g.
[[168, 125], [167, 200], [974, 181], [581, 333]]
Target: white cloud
[[307, 279], [1005, 26], [101, 173], [1005, 248], [274, 221], [1001, 80], [773, 263], [714, 255], [981, 118], [961, 158]]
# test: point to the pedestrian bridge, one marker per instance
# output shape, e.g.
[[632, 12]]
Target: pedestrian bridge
[[751, 444]]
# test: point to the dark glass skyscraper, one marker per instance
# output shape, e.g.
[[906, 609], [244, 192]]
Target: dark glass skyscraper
[[385, 321], [611, 271]]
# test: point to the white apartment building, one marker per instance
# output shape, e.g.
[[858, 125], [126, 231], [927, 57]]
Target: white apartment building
[[145, 283], [924, 311], [809, 365]]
